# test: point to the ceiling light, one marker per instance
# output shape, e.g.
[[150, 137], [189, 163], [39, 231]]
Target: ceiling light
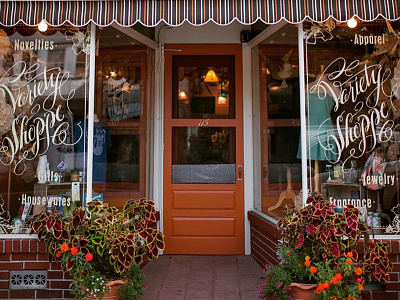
[[182, 95], [352, 23], [211, 76], [42, 26], [222, 99]]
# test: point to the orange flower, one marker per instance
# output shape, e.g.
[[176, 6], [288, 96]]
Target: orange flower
[[313, 270], [360, 287], [64, 248], [359, 280], [358, 271], [288, 253], [351, 298], [307, 258], [338, 276], [319, 289], [299, 265], [349, 261], [58, 254], [89, 256], [307, 263], [321, 286], [335, 280], [349, 254], [74, 250], [326, 285]]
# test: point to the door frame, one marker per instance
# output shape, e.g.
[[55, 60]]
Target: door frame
[[212, 49]]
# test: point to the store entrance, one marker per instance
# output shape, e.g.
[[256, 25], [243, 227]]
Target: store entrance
[[203, 152]]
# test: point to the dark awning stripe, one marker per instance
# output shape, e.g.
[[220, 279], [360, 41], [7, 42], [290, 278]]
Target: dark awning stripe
[[175, 12]]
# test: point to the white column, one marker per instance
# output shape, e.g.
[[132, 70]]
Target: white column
[[92, 78], [158, 127], [248, 142], [303, 124]]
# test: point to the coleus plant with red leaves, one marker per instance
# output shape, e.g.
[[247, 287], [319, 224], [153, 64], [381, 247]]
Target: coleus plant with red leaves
[[329, 236], [101, 239]]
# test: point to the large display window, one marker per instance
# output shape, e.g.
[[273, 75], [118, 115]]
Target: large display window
[[43, 105], [352, 113], [120, 127], [280, 121]]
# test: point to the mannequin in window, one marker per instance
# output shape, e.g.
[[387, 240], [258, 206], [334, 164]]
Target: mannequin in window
[[101, 141], [319, 124]]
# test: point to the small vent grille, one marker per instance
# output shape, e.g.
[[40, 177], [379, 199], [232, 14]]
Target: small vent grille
[[28, 280]]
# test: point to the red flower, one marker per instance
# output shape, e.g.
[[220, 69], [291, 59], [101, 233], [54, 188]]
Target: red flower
[[359, 280], [335, 280], [313, 270], [74, 250], [349, 261], [307, 263], [326, 285], [338, 276], [89, 256], [58, 254]]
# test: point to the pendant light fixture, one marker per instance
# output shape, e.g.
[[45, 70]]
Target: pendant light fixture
[[211, 76]]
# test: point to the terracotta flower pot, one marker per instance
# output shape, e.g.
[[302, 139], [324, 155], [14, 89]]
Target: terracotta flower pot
[[303, 291], [113, 294]]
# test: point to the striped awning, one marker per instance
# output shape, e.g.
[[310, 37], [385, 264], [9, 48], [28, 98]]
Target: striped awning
[[197, 12]]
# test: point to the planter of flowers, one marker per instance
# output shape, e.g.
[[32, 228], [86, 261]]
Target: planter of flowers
[[319, 247], [102, 244]]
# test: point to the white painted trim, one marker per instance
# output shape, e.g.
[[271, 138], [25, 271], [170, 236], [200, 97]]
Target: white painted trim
[[18, 236], [158, 127], [256, 133], [248, 142], [303, 131], [266, 34], [137, 36], [92, 79]]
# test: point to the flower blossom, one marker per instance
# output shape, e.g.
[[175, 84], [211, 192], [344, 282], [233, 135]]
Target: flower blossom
[[64, 248], [358, 271], [74, 250], [89, 256]]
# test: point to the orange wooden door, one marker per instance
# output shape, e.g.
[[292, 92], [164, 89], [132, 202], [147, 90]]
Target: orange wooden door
[[203, 150]]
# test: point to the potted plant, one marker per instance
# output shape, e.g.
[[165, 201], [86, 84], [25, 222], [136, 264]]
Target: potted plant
[[319, 248], [102, 244]]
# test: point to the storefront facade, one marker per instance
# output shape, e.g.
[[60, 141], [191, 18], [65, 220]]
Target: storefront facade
[[221, 112]]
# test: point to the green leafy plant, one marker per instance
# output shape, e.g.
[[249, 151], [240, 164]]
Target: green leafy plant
[[102, 241], [135, 287], [320, 246], [276, 283]]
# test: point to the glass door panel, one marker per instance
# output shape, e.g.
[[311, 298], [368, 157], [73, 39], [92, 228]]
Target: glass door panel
[[203, 87], [203, 155]]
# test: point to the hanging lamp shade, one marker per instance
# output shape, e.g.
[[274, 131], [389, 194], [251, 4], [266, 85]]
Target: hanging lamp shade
[[211, 76], [182, 95]]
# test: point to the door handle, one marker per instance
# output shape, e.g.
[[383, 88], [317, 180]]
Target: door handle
[[265, 176], [240, 172]]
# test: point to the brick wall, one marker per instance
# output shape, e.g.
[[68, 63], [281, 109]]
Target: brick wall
[[29, 254], [264, 240]]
